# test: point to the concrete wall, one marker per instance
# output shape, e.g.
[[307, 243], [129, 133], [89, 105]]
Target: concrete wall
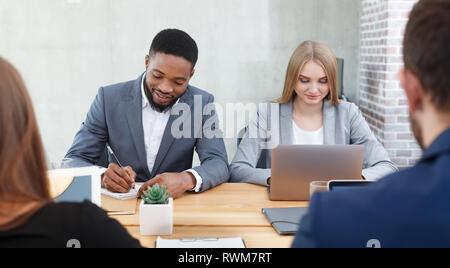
[[67, 49]]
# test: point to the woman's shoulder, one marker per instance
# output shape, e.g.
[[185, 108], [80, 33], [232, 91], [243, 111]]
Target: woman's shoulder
[[269, 104], [344, 107], [270, 107], [68, 207], [62, 208], [53, 220], [92, 222], [83, 209], [70, 212]]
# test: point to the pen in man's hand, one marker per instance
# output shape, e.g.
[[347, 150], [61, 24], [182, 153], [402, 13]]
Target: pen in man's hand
[[111, 152]]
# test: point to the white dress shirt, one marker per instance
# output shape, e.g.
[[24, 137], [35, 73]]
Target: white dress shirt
[[302, 137], [155, 124]]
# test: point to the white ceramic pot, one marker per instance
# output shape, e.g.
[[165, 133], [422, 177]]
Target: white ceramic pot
[[156, 219]]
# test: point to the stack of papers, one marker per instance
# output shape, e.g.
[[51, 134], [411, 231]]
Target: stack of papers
[[119, 207]]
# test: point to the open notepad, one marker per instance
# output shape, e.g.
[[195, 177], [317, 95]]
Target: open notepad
[[133, 193], [201, 243]]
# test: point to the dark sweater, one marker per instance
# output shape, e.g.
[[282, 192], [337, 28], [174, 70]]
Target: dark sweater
[[54, 225]]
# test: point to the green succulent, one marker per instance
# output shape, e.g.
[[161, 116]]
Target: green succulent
[[156, 195]]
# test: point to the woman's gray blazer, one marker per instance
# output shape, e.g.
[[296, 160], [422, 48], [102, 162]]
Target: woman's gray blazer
[[343, 124]]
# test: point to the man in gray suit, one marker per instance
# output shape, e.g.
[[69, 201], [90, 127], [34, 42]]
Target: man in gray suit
[[153, 125]]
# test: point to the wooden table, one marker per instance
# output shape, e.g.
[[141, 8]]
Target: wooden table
[[229, 210]]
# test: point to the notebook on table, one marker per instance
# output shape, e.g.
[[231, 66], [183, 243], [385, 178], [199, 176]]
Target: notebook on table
[[132, 194], [286, 221], [121, 204]]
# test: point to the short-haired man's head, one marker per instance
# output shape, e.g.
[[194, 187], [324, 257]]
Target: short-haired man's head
[[177, 43], [427, 49]]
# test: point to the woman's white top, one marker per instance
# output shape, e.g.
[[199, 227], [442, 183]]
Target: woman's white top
[[302, 137]]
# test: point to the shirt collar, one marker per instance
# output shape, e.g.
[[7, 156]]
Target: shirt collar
[[438, 147], [144, 97]]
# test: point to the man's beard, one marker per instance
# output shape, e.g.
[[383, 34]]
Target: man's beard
[[417, 131], [155, 106]]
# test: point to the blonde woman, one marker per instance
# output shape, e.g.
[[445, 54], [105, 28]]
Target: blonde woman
[[310, 113]]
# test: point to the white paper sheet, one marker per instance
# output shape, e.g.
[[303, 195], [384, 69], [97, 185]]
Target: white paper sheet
[[201, 243]]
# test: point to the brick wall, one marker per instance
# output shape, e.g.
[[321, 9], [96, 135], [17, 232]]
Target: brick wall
[[382, 100]]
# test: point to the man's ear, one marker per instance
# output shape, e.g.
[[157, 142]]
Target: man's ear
[[147, 61], [192, 73], [413, 89]]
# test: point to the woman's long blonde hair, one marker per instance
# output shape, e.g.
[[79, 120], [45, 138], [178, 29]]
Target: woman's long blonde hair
[[322, 55]]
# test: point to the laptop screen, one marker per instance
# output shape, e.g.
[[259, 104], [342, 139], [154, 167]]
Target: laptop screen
[[76, 185], [345, 185], [79, 190]]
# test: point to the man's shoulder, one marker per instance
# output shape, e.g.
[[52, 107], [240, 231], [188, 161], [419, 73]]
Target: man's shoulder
[[385, 192], [120, 85], [380, 210], [120, 88], [195, 91]]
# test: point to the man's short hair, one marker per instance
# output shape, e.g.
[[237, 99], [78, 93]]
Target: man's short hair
[[426, 49], [175, 42]]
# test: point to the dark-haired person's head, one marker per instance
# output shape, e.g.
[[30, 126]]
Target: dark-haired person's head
[[23, 180], [170, 65], [426, 74]]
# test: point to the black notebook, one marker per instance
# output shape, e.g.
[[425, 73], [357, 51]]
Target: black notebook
[[286, 221]]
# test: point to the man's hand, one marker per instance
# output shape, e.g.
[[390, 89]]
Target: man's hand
[[177, 183], [118, 180]]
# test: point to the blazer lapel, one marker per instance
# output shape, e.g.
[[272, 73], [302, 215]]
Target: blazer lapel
[[168, 138], [133, 106], [286, 124], [329, 123]]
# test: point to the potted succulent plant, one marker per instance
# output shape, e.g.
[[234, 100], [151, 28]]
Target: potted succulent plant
[[156, 211]]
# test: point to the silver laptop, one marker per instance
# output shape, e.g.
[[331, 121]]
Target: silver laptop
[[294, 167]]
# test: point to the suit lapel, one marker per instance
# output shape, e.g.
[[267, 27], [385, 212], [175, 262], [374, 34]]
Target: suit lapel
[[329, 123], [133, 106], [168, 138], [286, 123]]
